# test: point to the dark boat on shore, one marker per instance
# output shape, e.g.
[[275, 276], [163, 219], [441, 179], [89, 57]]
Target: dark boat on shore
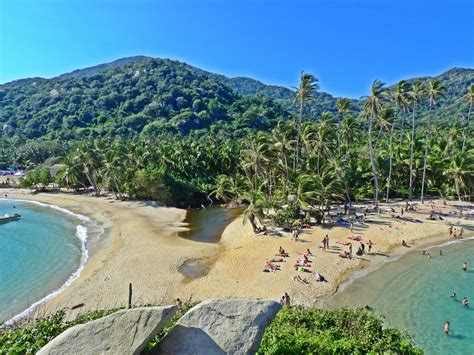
[[9, 217]]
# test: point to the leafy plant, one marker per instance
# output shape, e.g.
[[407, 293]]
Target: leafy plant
[[301, 330]]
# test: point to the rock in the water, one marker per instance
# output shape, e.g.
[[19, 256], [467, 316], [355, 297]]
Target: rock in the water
[[220, 327], [124, 332]]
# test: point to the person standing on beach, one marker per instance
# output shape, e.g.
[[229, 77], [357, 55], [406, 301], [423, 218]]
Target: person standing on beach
[[451, 231], [461, 232], [446, 327], [370, 246], [350, 250], [327, 241], [287, 300], [351, 225]]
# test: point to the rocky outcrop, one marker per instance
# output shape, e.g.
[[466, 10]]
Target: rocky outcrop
[[220, 327], [124, 332]]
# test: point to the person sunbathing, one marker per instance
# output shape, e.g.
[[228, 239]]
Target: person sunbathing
[[301, 262], [345, 255], [282, 252], [320, 278], [356, 238], [302, 269], [404, 243], [271, 267], [280, 260], [300, 279], [343, 242]]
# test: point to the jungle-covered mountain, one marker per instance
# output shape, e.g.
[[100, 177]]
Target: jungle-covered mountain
[[142, 95]]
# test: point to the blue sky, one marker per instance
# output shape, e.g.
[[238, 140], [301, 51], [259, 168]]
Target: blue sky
[[345, 43]]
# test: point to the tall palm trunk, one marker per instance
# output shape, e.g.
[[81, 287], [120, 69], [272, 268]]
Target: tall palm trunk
[[91, 179], [412, 146], [456, 184], [372, 161], [467, 125], [427, 136], [401, 126], [390, 163], [298, 128]]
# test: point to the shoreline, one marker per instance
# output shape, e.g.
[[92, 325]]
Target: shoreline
[[140, 245], [399, 254], [82, 232]]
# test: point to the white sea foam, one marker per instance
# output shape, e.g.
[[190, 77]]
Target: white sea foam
[[81, 233]]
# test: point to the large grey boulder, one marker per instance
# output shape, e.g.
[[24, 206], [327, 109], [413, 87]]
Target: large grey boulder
[[220, 327], [124, 332]]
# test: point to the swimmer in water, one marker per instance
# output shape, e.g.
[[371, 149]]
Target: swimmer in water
[[446, 327], [453, 296], [464, 266], [465, 302]]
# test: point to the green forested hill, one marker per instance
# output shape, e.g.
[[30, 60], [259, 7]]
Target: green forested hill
[[160, 129], [142, 95], [131, 96]]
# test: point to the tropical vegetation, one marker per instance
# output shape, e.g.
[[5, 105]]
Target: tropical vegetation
[[294, 331], [162, 130]]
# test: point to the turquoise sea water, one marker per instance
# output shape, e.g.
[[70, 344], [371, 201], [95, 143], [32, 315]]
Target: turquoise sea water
[[39, 254], [414, 294]]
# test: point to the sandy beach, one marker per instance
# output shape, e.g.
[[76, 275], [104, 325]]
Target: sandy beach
[[140, 246]]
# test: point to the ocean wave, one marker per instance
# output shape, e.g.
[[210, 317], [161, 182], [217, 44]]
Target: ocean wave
[[82, 234], [451, 242]]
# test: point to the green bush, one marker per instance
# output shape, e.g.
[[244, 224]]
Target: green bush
[[313, 331], [30, 338], [285, 217]]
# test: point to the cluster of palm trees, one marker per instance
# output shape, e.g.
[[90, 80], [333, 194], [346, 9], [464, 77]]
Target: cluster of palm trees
[[350, 156], [308, 163]]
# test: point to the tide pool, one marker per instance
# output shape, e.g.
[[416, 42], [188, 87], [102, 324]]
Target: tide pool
[[414, 294], [40, 254]]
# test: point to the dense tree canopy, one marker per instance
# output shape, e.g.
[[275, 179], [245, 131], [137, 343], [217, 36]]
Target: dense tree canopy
[[159, 129]]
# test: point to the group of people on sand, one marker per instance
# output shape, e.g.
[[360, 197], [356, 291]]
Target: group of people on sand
[[270, 265], [360, 251], [454, 233], [295, 234], [285, 300], [325, 242]]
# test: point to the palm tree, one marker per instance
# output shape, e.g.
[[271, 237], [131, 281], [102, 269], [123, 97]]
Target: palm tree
[[416, 94], [304, 94], [342, 106], [400, 99], [349, 130], [469, 97], [373, 105], [386, 121], [458, 170], [322, 138], [435, 89]]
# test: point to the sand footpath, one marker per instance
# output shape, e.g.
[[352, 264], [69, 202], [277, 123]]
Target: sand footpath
[[140, 245]]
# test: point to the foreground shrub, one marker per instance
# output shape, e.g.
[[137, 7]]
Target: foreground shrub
[[29, 338], [312, 331]]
